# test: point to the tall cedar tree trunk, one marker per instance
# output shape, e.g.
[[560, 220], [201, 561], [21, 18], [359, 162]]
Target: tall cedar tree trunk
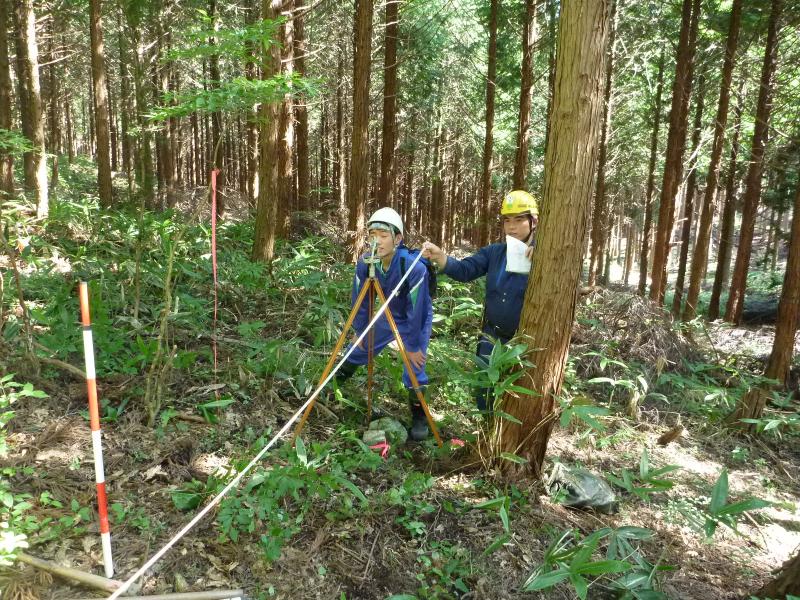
[[630, 238], [599, 226], [455, 199], [125, 104], [217, 146], [171, 142], [101, 124], [69, 132], [54, 80], [269, 186], [676, 143], [36, 179], [301, 112], [436, 217], [324, 182], [726, 235], [700, 254], [22, 95], [552, 7], [175, 145], [786, 582], [752, 190], [143, 157], [112, 125], [688, 204], [526, 89], [251, 72], [789, 307], [651, 181], [488, 140], [359, 158], [6, 161], [338, 164], [751, 405], [286, 134], [549, 308], [389, 129]]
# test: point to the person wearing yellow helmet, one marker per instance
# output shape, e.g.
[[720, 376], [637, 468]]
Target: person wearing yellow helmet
[[505, 290]]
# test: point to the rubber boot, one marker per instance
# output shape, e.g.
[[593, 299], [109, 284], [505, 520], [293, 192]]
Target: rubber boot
[[419, 422], [345, 372]]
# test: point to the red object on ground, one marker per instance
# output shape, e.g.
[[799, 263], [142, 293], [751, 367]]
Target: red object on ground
[[383, 447]]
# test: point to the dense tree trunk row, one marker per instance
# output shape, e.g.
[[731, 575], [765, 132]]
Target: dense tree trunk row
[[752, 192], [700, 255], [335, 154]]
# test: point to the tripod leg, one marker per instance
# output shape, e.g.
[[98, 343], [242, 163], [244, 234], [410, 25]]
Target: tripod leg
[[332, 360], [370, 351], [401, 347]]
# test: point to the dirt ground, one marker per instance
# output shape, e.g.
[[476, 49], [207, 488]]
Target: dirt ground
[[371, 556]]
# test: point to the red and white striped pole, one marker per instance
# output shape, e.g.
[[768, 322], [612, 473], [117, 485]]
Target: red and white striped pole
[[94, 422]]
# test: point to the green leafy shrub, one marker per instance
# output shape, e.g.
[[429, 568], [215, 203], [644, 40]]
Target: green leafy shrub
[[647, 482], [571, 558], [273, 503]]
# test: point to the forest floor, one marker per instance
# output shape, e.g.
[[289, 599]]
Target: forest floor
[[425, 542], [332, 519]]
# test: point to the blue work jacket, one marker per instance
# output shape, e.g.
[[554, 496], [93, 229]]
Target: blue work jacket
[[505, 291], [412, 308]]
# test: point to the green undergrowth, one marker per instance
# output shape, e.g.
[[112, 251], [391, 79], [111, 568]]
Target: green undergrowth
[[275, 329]]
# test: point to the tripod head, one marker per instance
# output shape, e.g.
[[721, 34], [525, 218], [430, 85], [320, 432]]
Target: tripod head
[[372, 259]]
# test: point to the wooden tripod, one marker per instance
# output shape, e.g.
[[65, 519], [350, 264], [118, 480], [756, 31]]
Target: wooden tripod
[[369, 290]]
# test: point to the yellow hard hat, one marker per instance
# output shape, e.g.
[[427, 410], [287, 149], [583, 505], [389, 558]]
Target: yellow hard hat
[[519, 202]]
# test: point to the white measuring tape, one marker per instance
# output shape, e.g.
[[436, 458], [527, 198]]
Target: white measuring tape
[[235, 481]]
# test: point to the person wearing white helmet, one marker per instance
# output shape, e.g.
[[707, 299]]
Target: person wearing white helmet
[[411, 308], [505, 290]]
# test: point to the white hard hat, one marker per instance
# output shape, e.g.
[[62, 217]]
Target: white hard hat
[[388, 216]]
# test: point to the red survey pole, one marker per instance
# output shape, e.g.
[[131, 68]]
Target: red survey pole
[[94, 422]]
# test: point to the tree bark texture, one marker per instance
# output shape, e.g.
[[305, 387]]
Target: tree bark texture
[[6, 160], [599, 225], [488, 139], [688, 204], [726, 234], [676, 143], [101, 123], [269, 186], [339, 171], [389, 128], [700, 254], [36, 179], [549, 307], [651, 180], [301, 113], [552, 7], [217, 148], [789, 306], [145, 176], [751, 405], [752, 190], [286, 134], [54, 94], [526, 88], [357, 188]]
